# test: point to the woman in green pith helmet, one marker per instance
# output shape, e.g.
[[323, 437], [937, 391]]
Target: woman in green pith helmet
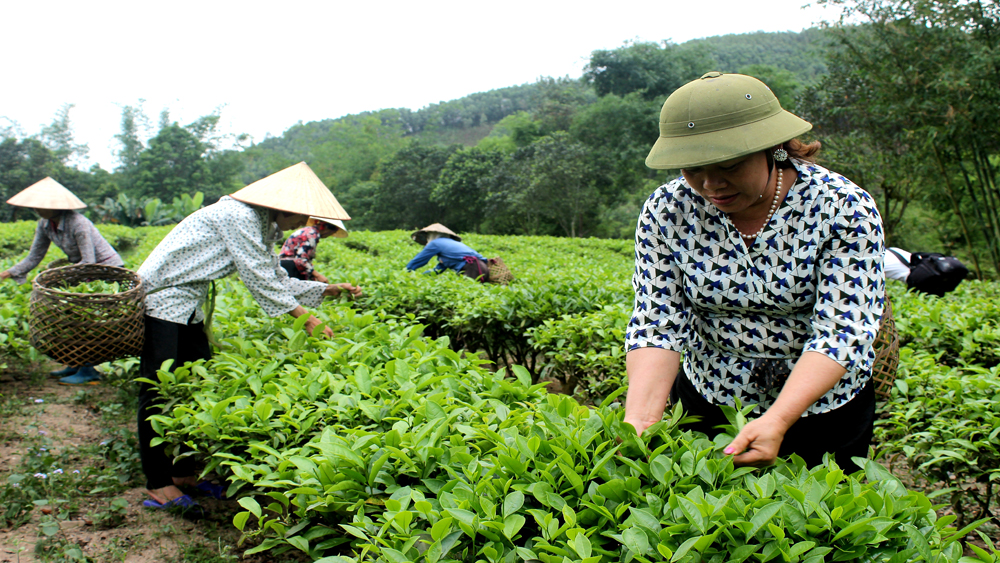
[[765, 270]]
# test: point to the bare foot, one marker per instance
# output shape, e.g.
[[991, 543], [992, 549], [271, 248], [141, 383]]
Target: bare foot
[[165, 494], [185, 481]]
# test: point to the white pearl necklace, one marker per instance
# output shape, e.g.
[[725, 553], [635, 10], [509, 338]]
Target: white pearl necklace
[[774, 207]]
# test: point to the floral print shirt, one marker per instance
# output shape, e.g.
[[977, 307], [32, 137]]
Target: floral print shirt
[[75, 235], [211, 243], [301, 249], [812, 281]]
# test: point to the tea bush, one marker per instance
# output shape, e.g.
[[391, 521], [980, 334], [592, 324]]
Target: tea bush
[[390, 442], [416, 452], [585, 351], [554, 277], [14, 334], [963, 326], [945, 421]]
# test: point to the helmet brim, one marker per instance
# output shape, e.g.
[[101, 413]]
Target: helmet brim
[[688, 151]]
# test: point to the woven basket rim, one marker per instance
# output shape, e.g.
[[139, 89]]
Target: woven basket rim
[[39, 282]]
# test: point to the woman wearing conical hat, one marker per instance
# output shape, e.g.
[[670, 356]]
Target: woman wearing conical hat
[[758, 281], [74, 234], [452, 254], [299, 250], [235, 234]]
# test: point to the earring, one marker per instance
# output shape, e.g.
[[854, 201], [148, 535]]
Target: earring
[[780, 154]]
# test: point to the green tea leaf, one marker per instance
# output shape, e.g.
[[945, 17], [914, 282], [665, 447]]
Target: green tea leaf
[[251, 505], [512, 524], [513, 503]]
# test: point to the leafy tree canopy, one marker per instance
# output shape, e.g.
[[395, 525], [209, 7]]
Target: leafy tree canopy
[[651, 69]]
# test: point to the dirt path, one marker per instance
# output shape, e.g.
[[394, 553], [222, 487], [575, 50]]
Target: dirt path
[[84, 432]]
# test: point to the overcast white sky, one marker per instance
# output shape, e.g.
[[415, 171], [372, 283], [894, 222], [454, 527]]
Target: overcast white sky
[[272, 64]]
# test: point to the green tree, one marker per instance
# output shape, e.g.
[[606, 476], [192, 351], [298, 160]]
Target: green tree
[[402, 199], [652, 69], [924, 78], [520, 127], [620, 132], [134, 125], [172, 165], [58, 138], [461, 190], [23, 163], [559, 101], [564, 180], [552, 182]]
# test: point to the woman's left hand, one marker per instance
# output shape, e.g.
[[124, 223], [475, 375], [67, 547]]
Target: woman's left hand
[[758, 443]]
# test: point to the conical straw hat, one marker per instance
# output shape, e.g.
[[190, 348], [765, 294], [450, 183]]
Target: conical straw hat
[[47, 194], [421, 235], [295, 189], [341, 231]]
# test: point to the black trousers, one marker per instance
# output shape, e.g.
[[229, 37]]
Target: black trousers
[[476, 269], [846, 431], [293, 272], [164, 341]]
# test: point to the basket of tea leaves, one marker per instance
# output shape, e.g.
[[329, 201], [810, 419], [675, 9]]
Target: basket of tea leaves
[[87, 314]]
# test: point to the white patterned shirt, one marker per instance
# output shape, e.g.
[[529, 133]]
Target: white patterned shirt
[[812, 281], [211, 243]]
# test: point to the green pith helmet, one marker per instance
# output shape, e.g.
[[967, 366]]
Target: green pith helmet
[[720, 117]]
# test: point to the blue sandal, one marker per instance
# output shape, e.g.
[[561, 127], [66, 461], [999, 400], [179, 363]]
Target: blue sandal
[[65, 372], [183, 505], [85, 376], [210, 489]]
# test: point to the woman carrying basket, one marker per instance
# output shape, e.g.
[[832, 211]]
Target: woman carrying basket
[[74, 234], [236, 234], [764, 270]]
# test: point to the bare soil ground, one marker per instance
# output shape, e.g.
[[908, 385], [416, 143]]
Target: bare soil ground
[[71, 423]]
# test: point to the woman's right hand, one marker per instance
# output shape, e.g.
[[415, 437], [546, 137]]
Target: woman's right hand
[[651, 374], [312, 323], [5, 275], [640, 425]]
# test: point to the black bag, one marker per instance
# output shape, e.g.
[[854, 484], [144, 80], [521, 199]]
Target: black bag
[[933, 273]]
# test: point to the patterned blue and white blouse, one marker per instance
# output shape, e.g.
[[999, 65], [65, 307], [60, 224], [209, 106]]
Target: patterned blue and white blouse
[[211, 243], [812, 281]]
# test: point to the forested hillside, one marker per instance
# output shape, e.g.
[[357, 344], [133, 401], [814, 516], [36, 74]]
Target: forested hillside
[[802, 54], [397, 168], [903, 101]]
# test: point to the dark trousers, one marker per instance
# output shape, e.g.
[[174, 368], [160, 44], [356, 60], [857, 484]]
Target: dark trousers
[[164, 341], [846, 431], [293, 272], [476, 269]]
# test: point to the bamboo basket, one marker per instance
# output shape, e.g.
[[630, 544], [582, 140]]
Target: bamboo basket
[[886, 354], [499, 272], [86, 328]]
